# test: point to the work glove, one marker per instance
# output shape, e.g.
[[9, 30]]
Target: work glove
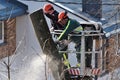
[[78, 65], [66, 62], [56, 42], [51, 29], [65, 42]]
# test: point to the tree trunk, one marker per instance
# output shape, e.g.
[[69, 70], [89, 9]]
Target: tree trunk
[[46, 42]]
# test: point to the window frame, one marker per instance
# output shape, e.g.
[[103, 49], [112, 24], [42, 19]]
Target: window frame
[[2, 40]]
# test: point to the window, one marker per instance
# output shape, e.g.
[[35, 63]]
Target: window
[[1, 31]]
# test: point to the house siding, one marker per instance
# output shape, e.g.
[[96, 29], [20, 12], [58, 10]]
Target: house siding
[[109, 57], [113, 60], [9, 45]]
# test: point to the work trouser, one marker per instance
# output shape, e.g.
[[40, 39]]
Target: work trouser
[[64, 49], [64, 57], [77, 41]]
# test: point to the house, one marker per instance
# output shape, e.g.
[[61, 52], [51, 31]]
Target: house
[[9, 11], [17, 34]]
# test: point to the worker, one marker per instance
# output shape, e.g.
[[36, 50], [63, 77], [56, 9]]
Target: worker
[[53, 16], [71, 26]]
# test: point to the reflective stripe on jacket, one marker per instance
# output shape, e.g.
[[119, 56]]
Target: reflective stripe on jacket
[[78, 29], [71, 26]]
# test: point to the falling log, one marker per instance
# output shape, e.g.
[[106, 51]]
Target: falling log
[[46, 42]]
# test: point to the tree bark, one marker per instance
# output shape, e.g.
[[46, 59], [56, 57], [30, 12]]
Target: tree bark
[[46, 42]]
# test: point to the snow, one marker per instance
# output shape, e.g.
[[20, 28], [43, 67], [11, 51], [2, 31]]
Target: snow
[[28, 62], [25, 67], [114, 75], [107, 77]]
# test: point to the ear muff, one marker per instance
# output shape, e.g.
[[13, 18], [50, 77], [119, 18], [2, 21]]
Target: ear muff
[[62, 15]]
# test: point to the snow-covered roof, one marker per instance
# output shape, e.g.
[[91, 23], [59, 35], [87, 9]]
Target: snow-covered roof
[[11, 8]]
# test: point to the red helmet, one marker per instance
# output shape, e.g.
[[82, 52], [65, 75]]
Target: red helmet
[[62, 15], [47, 7]]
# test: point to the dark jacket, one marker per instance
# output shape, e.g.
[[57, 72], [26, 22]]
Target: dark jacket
[[54, 20], [70, 27]]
